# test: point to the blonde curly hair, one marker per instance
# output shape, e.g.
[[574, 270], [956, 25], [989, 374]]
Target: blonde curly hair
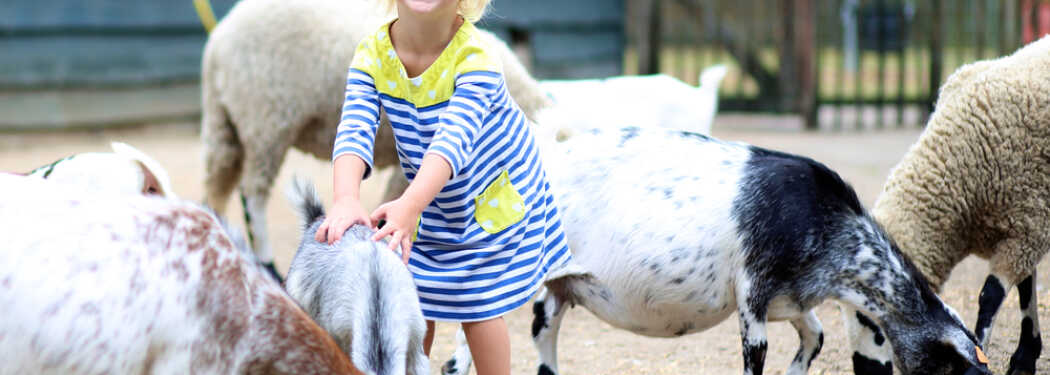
[[471, 10]]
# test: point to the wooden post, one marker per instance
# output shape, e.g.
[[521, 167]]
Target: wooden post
[[1034, 23], [649, 43], [798, 61], [805, 44], [787, 72], [982, 9], [936, 52], [903, 39], [880, 70], [1006, 25]]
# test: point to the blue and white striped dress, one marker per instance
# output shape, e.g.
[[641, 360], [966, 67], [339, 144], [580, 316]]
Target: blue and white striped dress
[[490, 237]]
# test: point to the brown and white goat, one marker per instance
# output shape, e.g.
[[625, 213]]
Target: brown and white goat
[[94, 283]]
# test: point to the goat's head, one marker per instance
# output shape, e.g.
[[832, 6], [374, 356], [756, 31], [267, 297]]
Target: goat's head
[[124, 171], [936, 342]]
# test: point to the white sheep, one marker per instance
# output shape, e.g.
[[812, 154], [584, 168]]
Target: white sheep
[[679, 231], [103, 283], [272, 77], [648, 100], [360, 292], [977, 182], [125, 170]]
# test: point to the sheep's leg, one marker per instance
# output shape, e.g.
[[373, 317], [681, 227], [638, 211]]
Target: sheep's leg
[[992, 295], [461, 360], [260, 171], [255, 218], [1030, 344], [548, 310], [395, 186], [223, 157], [872, 353], [811, 339]]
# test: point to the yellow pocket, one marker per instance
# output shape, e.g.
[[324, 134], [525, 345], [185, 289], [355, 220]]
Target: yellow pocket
[[499, 206], [415, 231]]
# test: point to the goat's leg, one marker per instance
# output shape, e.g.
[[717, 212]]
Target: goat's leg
[[753, 336], [261, 166], [872, 353], [1030, 344], [752, 329], [548, 310], [811, 339], [461, 360]]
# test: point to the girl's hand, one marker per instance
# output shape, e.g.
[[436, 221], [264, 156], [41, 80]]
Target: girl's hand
[[344, 213], [401, 217]]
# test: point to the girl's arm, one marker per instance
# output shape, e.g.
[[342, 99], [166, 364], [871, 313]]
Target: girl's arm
[[352, 156], [401, 214]]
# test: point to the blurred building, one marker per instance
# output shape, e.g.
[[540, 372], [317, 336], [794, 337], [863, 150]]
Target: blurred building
[[563, 39], [62, 43], [101, 62]]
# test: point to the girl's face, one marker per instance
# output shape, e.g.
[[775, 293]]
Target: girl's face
[[427, 7]]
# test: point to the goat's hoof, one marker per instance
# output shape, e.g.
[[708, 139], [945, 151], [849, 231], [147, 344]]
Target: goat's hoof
[[449, 368]]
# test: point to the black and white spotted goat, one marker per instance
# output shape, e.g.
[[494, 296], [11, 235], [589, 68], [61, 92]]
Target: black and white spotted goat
[[679, 230], [358, 291]]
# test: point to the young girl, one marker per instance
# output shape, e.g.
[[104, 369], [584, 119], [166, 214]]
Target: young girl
[[478, 215]]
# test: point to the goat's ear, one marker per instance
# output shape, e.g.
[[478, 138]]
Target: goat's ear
[[160, 175], [150, 184]]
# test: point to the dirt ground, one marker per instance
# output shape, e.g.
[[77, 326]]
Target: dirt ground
[[587, 345]]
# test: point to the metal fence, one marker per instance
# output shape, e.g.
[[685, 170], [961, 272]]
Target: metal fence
[[838, 63]]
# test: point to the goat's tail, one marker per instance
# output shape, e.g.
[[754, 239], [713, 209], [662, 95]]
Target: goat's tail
[[305, 200], [712, 76]]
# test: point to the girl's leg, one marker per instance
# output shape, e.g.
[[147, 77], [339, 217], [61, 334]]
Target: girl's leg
[[490, 345], [428, 340]]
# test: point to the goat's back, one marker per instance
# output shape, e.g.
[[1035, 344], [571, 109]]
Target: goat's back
[[360, 292]]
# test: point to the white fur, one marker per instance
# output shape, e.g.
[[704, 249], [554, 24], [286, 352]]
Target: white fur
[[360, 292], [126, 170], [95, 283], [579, 197], [642, 101]]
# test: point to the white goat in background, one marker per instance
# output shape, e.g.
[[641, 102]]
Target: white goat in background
[[615, 102]]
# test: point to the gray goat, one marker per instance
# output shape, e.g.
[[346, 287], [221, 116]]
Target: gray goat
[[359, 291]]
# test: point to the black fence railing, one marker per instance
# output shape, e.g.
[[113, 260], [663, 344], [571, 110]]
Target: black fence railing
[[838, 63]]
